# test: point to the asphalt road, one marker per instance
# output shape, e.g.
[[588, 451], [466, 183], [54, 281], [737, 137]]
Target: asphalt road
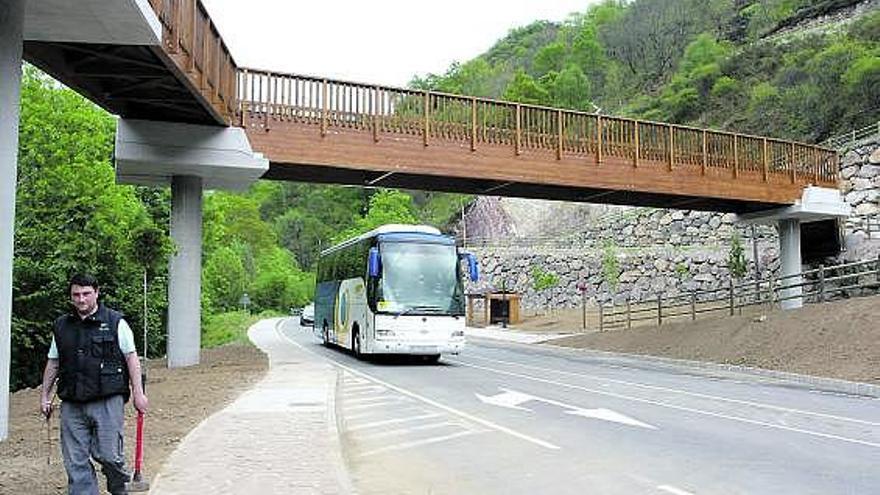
[[522, 419]]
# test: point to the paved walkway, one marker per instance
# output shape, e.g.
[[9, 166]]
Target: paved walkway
[[497, 333], [280, 437]]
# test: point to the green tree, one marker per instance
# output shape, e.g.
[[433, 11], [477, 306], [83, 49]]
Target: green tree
[[71, 216], [610, 266], [524, 89], [550, 58], [736, 258], [570, 89], [279, 284], [386, 206], [224, 278]]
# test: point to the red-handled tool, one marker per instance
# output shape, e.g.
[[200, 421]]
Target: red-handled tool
[[138, 483]]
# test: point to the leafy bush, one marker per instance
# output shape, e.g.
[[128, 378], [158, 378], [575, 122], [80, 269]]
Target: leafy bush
[[229, 327], [543, 279], [610, 266]]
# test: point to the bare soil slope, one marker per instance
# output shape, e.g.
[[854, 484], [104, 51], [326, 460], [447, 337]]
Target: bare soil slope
[[179, 400], [837, 340]]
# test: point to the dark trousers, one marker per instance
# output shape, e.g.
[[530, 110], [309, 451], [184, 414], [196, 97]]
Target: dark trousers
[[93, 430]]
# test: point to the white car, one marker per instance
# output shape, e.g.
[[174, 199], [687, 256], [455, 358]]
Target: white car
[[307, 317]]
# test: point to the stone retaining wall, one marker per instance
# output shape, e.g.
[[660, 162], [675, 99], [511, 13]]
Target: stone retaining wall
[[666, 251]]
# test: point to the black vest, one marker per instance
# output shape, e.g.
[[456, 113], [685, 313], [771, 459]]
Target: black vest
[[91, 366]]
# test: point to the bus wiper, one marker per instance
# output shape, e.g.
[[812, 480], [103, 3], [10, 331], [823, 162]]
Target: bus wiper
[[430, 309]]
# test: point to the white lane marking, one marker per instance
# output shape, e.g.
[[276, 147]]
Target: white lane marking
[[405, 431], [673, 490], [393, 421], [417, 443], [358, 382], [362, 389], [670, 406], [475, 419], [683, 392], [367, 400], [512, 399], [372, 405], [413, 408]]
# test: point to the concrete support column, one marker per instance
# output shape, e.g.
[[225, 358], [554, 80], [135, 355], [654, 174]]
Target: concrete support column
[[185, 272], [11, 28], [790, 260]]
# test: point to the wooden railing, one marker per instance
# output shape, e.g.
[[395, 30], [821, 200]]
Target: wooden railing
[[818, 285], [191, 39], [267, 97], [853, 138]]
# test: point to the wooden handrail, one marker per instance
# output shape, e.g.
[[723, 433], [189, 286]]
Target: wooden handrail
[[205, 60], [477, 121]]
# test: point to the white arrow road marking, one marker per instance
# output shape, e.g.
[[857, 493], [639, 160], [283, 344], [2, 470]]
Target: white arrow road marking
[[609, 415], [508, 398], [512, 399], [673, 490]]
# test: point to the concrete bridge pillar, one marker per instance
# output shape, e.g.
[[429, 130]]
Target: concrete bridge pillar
[[193, 157], [11, 31], [185, 272], [816, 203], [790, 263]]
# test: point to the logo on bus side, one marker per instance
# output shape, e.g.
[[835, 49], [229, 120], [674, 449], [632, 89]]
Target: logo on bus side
[[343, 308]]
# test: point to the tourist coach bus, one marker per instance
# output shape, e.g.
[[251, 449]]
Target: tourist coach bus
[[397, 289]]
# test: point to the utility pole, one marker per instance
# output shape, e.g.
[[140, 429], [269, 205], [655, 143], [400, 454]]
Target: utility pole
[[757, 265], [463, 227]]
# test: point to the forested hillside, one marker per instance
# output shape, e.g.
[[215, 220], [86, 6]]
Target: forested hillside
[[736, 65]]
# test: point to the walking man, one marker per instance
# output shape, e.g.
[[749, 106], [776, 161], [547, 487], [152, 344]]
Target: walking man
[[94, 358]]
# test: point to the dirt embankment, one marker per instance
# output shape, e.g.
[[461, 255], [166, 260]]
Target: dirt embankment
[[837, 340], [179, 400]]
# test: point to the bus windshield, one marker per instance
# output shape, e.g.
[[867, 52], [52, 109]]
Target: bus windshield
[[420, 279]]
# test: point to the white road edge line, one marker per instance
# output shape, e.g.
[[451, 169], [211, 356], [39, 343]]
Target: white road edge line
[[475, 419], [673, 490], [684, 392], [671, 406]]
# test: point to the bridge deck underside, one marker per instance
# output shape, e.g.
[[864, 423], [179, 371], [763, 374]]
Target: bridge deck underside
[[298, 152], [138, 82]]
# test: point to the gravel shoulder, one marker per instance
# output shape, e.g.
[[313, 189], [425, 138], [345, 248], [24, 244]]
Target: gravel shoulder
[[179, 400]]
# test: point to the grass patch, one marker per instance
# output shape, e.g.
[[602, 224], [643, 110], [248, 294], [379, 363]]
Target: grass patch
[[225, 328]]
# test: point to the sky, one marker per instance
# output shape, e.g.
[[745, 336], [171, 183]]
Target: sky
[[372, 41]]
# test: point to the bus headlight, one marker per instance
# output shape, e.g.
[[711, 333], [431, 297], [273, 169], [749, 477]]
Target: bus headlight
[[458, 333], [385, 333]]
